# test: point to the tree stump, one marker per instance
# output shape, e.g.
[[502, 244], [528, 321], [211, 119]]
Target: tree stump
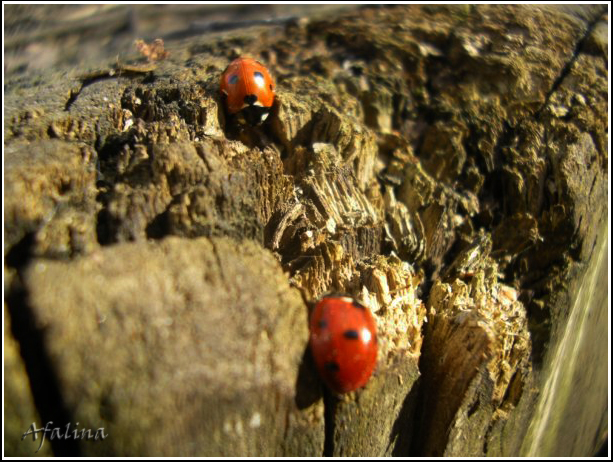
[[446, 165]]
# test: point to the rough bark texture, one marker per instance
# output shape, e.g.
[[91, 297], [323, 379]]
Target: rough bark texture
[[448, 166]]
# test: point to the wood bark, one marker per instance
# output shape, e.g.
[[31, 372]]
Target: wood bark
[[448, 166]]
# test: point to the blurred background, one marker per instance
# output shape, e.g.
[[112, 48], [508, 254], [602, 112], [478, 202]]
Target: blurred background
[[37, 37]]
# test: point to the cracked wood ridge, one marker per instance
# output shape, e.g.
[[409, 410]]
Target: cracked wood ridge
[[447, 166]]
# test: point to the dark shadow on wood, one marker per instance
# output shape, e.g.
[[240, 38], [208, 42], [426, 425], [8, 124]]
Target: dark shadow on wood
[[401, 436]]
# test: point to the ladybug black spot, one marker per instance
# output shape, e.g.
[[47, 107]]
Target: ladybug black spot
[[322, 324], [332, 366], [351, 334], [233, 79]]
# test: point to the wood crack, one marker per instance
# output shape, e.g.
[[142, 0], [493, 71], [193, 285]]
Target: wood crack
[[568, 66]]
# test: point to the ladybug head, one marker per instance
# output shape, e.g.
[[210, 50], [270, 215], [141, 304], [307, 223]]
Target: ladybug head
[[253, 113]]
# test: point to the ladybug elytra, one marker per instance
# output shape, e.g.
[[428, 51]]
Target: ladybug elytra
[[343, 339], [248, 90]]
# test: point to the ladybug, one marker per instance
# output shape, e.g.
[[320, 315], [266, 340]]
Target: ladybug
[[343, 339], [248, 90]]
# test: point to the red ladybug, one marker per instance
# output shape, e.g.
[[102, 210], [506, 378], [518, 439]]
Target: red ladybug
[[248, 90], [343, 342]]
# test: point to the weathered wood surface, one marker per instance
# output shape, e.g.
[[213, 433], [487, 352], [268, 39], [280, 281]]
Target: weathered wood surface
[[446, 165]]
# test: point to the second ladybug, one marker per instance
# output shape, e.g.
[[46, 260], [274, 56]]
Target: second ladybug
[[343, 342], [248, 90]]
